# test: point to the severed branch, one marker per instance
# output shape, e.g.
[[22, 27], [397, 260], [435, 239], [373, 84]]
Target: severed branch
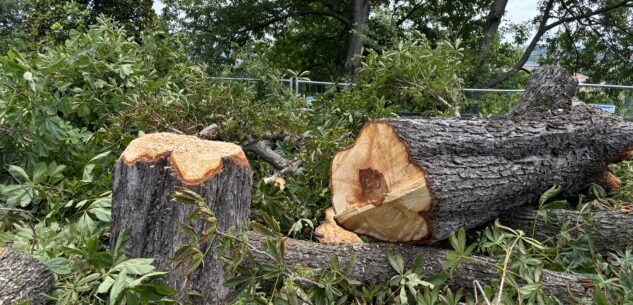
[[372, 264], [607, 229], [440, 100], [264, 152]]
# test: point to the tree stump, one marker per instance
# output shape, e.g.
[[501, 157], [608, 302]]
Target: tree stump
[[145, 178], [417, 180], [23, 278]]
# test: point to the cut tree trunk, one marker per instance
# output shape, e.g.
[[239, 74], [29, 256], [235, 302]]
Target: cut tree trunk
[[608, 229], [417, 180], [23, 278], [372, 265], [143, 185]]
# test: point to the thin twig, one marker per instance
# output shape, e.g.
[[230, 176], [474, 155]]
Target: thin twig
[[483, 294]]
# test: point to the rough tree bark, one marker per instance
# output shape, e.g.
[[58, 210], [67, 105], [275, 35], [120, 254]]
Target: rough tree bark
[[143, 185], [355, 44], [493, 20], [373, 266], [608, 229], [419, 180], [22, 278]]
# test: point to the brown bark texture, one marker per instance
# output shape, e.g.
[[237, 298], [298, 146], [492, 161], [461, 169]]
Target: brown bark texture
[[476, 169], [142, 205], [372, 265], [607, 229], [23, 278]]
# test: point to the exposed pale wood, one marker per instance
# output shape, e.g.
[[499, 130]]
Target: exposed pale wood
[[419, 180], [373, 266], [23, 278], [144, 182], [194, 159], [373, 181], [329, 232]]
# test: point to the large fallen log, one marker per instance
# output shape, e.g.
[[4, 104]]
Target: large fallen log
[[23, 278], [607, 229], [417, 180], [144, 181], [152, 166], [372, 265]]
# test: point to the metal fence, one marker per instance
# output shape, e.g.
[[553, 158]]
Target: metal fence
[[481, 100]]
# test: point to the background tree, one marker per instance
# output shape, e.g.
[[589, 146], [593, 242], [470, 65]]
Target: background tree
[[600, 18], [53, 19], [13, 25], [599, 46], [323, 36]]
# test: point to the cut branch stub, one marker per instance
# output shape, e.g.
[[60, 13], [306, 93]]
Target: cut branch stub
[[378, 191]]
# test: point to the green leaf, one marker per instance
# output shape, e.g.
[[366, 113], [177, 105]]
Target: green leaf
[[16, 194], [105, 285], [58, 265], [99, 156], [131, 298], [458, 241], [232, 282], [87, 174], [418, 264], [528, 289], [117, 287], [403, 296], [396, 261], [19, 172], [28, 76], [350, 264], [553, 191], [39, 172], [599, 298], [138, 266], [145, 277], [89, 278]]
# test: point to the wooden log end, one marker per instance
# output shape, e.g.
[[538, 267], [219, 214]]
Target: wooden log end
[[331, 233], [194, 159], [378, 191]]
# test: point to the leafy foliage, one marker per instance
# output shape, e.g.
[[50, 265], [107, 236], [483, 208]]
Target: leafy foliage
[[54, 19], [67, 112]]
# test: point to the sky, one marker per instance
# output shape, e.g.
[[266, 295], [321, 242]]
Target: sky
[[521, 10]]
